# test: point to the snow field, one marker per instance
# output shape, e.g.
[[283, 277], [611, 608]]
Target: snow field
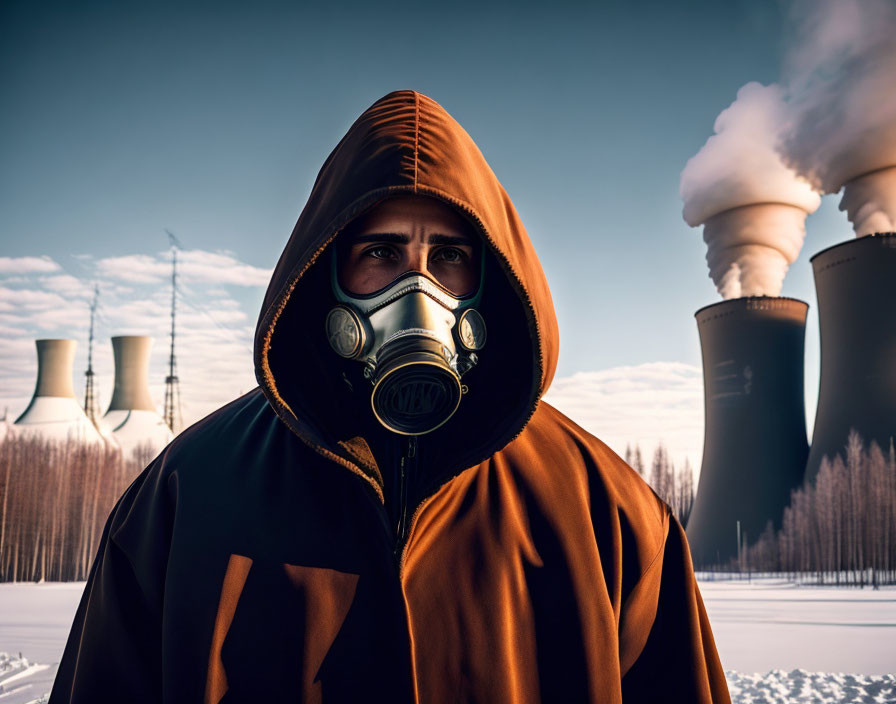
[[799, 687], [771, 624], [18, 678], [800, 639]]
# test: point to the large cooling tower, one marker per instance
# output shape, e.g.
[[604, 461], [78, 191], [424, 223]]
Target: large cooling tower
[[54, 412], [132, 417], [856, 287], [754, 447]]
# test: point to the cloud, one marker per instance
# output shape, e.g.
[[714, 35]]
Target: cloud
[[215, 330], [739, 164], [194, 266], [839, 72], [134, 268], [29, 299], [27, 265], [644, 404], [753, 207], [67, 285], [221, 268], [10, 331]]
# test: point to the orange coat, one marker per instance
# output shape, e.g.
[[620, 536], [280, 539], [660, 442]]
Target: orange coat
[[255, 558]]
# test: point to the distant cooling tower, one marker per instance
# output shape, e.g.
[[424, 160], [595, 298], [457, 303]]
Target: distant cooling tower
[[54, 412], [856, 287], [754, 448], [132, 417]]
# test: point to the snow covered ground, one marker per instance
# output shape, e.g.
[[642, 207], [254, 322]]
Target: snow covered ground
[[799, 641], [770, 624], [34, 623]]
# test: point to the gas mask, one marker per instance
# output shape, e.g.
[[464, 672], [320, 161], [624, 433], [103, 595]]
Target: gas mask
[[416, 340]]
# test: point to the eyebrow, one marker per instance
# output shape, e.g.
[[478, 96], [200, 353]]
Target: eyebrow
[[392, 237], [398, 238], [436, 238]]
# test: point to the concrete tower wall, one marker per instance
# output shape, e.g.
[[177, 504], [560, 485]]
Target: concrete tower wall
[[55, 362], [856, 287], [131, 390], [132, 417], [54, 413], [755, 447]]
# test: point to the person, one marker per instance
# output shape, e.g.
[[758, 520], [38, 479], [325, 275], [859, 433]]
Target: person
[[394, 514]]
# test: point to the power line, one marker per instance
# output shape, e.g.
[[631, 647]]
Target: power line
[[236, 333]]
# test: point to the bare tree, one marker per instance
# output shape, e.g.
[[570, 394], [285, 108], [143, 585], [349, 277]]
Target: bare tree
[[685, 493], [55, 500], [842, 528], [637, 462]]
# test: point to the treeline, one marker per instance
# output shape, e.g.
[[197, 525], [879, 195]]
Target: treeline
[[54, 501], [839, 530], [675, 487]]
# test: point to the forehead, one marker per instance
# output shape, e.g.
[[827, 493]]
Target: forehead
[[411, 214]]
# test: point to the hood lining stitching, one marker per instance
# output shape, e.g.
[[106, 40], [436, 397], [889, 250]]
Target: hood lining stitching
[[416, 135], [268, 373]]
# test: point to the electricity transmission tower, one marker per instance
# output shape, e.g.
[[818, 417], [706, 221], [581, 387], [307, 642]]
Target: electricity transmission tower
[[90, 403], [172, 383]]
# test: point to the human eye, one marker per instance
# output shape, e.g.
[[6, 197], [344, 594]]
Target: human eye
[[452, 255], [380, 251]]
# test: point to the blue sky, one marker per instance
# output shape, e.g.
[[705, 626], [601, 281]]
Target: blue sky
[[119, 121]]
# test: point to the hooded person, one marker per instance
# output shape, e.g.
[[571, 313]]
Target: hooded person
[[394, 514]]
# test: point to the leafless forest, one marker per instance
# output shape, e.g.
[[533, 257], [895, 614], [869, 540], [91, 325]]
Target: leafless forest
[[55, 497], [842, 529], [54, 501], [839, 530], [674, 486]]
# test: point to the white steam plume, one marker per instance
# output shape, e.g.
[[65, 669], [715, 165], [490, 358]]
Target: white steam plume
[[841, 80], [754, 206], [870, 202], [750, 248]]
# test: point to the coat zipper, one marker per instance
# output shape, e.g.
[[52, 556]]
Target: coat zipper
[[407, 466]]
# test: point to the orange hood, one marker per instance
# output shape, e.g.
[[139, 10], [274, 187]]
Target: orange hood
[[407, 143]]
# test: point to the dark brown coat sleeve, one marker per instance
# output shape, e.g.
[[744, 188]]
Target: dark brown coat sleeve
[[114, 648], [678, 661]]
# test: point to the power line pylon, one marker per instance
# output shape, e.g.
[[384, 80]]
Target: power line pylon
[[90, 403], [172, 383]]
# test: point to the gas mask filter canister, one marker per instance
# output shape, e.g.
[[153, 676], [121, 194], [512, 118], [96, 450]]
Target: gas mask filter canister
[[416, 340]]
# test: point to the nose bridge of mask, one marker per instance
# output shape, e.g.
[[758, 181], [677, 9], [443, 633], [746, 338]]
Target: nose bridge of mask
[[413, 312]]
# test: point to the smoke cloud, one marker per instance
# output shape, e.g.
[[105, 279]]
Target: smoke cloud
[[831, 124], [870, 202], [753, 206], [841, 83], [841, 130], [750, 248]]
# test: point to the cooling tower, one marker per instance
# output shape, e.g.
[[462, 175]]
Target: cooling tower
[[132, 417], [754, 447], [53, 412], [856, 287]]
